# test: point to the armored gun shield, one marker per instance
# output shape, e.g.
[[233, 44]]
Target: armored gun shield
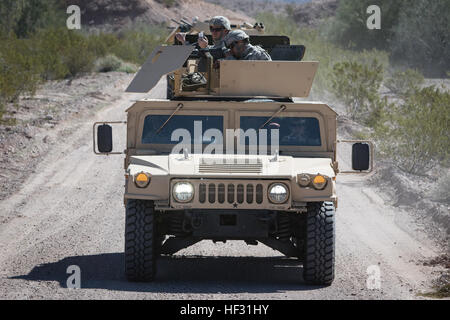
[[163, 60]]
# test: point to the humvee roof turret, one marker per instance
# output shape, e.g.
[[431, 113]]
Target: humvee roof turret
[[230, 156]]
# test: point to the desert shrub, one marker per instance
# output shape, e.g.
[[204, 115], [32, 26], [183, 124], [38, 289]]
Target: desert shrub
[[108, 63], [415, 133], [19, 70], [58, 53], [319, 48], [422, 37], [357, 85], [24, 17], [101, 44], [414, 32], [112, 63], [63, 53], [404, 83], [128, 67], [349, 28], [135, 45]]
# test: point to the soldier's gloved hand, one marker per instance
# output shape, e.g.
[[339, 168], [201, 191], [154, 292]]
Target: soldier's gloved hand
[[202, 42], [180, 36]]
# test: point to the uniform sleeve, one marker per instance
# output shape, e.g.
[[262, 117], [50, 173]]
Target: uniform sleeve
[[265, 55]]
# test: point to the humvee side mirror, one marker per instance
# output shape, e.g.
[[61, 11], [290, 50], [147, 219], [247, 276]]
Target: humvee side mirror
[[104, 142], [362, 156], [104, 138]]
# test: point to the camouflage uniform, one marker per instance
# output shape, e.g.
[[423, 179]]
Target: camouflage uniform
[[217, 45], [251, 52], [255, 53]]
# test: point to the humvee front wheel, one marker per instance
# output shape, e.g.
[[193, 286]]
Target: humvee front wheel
[[318, 265], [140, 241]]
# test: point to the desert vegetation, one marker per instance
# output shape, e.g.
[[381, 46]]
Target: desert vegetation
[[37, 46], [410, 126]]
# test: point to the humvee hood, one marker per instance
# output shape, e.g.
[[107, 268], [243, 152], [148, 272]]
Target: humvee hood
[[235, 165], [226, 165]]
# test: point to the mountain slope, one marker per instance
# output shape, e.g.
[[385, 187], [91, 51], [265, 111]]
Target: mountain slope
[[118, 13]]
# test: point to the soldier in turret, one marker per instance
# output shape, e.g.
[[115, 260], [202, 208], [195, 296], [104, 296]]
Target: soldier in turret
[[219, 26], [240, 48]]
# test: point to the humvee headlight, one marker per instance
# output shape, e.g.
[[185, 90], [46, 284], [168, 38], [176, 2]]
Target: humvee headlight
[[142, 179], [183, 191], [304, 179], [319, 182], [278, 193]]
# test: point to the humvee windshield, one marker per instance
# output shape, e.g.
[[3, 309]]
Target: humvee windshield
[[154, 122], [293, 131]]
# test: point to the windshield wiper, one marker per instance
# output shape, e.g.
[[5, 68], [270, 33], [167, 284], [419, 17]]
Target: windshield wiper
[[180, 105], [282, 108]]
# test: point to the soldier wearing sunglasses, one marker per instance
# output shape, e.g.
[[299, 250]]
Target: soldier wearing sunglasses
[[219, 27]]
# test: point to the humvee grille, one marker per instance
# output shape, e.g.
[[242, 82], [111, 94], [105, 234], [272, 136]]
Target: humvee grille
[[230, 166], [231, 193]]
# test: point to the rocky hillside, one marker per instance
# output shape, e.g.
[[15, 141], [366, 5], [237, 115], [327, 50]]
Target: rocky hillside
[[312, 13], [304, 12], [116, 14]]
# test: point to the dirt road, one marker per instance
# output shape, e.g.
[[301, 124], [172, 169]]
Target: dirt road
[[70, 212]]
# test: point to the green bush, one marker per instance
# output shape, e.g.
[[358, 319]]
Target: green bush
[[102, 44], [132, 45], [128, 67], [404, 83], [415, 133], [422, 37], [108, 63], [318, 48], [63, 53], [58, 53], [24, 17], [135, 45], [19, 70], [357, 85], [112, 63], [349, 28], [414, 32]]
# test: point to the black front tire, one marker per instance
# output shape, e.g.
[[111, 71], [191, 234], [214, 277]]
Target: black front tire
[[140, 241], [319, 259]]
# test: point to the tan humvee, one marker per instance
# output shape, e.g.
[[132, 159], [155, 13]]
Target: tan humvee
[[233, 157]]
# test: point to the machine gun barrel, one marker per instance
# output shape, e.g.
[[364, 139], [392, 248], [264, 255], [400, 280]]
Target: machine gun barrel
[[216, 53], [177, 22], [186, 23]]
